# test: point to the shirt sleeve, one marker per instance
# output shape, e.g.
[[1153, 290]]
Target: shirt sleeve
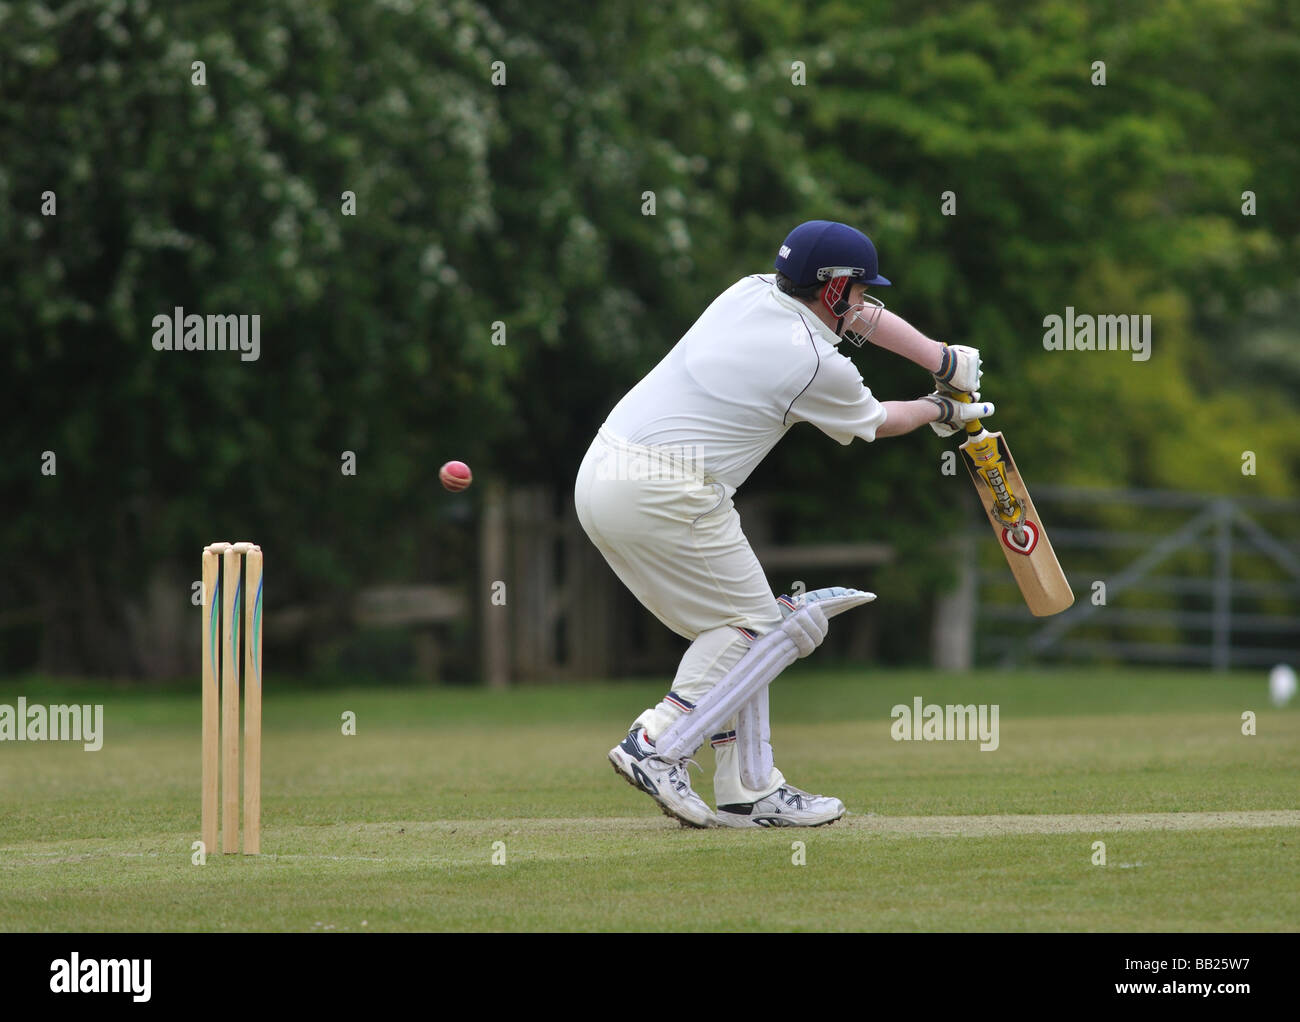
[[837, 402]]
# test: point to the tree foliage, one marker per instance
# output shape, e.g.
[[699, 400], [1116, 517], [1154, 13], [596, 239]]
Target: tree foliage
[[522, 204]]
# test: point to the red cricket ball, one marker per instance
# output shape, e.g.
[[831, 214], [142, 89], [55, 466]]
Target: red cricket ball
[[455, 476]]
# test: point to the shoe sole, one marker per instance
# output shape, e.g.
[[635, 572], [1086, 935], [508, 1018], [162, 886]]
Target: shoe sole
[[667, 811], [750, 822]]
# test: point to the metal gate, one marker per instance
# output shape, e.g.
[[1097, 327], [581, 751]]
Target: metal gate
[[1159, 577]]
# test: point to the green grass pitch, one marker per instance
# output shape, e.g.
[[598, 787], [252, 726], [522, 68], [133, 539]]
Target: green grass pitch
[[396, 827]]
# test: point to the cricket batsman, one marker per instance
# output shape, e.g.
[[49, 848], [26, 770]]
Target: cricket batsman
[[654, 493]]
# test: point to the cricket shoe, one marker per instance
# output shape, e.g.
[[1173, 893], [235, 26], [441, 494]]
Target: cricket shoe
[[667, 783], [785, 807]]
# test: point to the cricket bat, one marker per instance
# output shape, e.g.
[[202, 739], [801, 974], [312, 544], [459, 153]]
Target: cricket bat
[[1016, 524]]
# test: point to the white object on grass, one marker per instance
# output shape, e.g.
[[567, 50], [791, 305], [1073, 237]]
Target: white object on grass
[[1281, 684]]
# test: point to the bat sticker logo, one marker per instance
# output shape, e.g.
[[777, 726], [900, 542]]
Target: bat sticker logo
[[1031, 539]]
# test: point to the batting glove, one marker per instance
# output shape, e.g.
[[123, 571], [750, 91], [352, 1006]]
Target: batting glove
[[959, 369], [954, 414]]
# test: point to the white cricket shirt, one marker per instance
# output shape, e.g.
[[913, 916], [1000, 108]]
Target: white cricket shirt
[[755, 363]]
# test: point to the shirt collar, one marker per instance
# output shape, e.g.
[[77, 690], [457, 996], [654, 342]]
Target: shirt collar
[[794, 305]]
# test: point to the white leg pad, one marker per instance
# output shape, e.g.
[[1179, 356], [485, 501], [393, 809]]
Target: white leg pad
[[754, 742], [797, 636], [753, 728]]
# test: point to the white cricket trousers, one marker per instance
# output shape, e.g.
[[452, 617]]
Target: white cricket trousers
[[672, 535]]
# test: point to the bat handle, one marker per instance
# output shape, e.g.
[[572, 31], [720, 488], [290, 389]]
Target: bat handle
[[974, 427]]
